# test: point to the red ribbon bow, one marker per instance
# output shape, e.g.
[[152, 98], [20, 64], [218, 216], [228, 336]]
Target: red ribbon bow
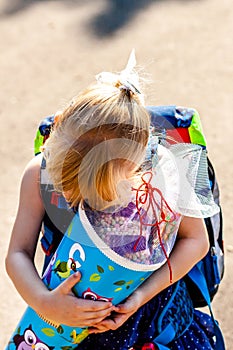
[[146, 193]]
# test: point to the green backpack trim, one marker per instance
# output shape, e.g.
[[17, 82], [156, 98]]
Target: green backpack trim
[[195, 130]]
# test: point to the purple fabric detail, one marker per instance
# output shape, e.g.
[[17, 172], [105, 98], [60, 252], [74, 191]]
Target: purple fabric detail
[[129, 243]]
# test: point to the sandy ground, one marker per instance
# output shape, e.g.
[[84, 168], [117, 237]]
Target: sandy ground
[[49, 50]]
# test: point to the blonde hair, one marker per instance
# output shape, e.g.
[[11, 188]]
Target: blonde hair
[[97, 141]]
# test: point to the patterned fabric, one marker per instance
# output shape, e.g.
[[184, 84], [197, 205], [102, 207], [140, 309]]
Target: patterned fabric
[[123, 233], [143, 326], [178, 311], [199, 336]]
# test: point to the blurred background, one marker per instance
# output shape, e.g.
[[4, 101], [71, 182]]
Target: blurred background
[[50, 49]]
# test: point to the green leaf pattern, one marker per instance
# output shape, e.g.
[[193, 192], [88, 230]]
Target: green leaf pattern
[[100, 269], [119, 283], [95, 277], [48, 331]]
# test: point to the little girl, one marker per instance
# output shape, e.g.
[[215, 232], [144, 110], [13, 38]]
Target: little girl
[[103, 157]]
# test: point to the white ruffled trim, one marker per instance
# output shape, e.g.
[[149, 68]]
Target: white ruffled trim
[[180, 172]]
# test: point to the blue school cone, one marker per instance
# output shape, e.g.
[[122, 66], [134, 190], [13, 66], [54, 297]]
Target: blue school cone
[[105, 276]]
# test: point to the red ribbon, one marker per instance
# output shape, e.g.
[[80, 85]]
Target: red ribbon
[[145, 193]]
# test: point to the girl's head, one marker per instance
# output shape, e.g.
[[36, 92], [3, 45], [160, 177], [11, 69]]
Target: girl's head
[[98, 141]]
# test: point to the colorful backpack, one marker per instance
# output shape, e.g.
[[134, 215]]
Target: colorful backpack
[[173, 124], [183, 125]]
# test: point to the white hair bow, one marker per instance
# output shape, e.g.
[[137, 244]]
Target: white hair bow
[[128, 77]]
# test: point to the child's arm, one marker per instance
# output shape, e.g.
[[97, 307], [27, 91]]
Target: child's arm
[[59, 305], [191, 246]]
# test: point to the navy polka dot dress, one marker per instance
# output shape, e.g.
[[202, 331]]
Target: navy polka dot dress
[[195, 332]]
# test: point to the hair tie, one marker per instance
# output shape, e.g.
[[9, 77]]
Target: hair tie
[[126, 89], [129, 87]]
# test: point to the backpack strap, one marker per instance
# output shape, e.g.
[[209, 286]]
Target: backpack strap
[[57, 216], [160, 342], [168, 334], [198, 278], [165, 337]]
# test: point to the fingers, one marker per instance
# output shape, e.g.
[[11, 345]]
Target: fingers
[[122, 308], [94, 330], [104, 326], [131, 305], [91, 319], [93, 308], [66, 286], [97, 315], [110, 323], [77, 311], [89, 305]]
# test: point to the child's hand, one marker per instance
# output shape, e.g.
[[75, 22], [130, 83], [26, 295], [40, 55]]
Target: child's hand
[[120, 315], [62, 306]]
